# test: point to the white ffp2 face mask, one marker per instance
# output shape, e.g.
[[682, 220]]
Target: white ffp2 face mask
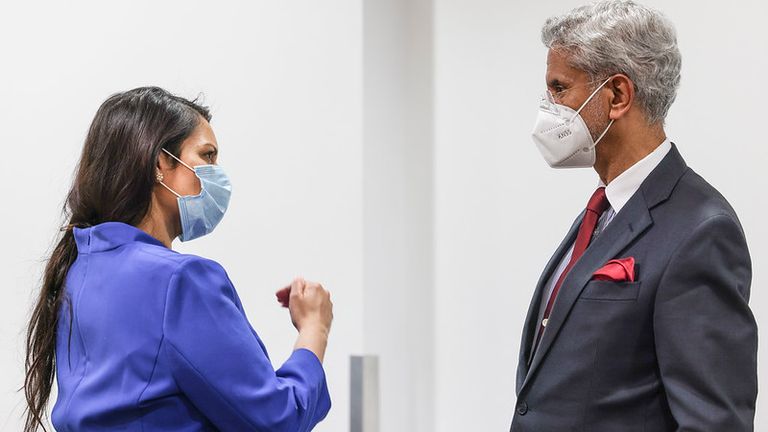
[[562, 135]]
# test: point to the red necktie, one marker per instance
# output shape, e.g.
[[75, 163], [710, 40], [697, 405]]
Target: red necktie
[[596, 206]]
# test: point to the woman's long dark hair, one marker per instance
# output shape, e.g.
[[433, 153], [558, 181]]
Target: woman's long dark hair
[[113, 183]]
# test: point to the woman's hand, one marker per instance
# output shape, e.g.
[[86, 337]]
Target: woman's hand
[[311, 313]]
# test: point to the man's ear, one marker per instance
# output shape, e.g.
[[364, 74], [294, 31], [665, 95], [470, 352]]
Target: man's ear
[[623, 95]]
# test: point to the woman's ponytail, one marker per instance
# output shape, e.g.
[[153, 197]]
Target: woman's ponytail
[[40, 364]]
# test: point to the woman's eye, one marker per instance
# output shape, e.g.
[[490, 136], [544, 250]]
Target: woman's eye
[[209, 156]]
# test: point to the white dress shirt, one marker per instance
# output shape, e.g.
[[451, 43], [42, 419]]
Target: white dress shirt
[[618, 192]]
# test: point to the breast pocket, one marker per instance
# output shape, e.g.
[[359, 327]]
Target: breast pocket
[[600, 290]]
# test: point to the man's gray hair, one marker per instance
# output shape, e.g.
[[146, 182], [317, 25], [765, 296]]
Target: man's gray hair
[[622, 36]]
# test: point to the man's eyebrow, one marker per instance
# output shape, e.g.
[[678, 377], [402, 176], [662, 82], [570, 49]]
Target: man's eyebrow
[[554, 82]]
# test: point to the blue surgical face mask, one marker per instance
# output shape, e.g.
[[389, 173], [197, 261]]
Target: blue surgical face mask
[[202, 212]]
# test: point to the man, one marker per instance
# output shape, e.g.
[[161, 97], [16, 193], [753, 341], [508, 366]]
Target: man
[[640, 321]]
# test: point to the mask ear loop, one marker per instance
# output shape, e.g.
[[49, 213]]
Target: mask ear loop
[[171, 190], [588, 99], [604, 132], [585, 104], [181, 162]]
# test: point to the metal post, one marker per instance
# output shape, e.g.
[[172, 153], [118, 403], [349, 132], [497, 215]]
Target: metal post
[[364, 394]]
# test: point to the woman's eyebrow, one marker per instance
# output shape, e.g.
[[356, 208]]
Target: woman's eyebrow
[[215, 149]]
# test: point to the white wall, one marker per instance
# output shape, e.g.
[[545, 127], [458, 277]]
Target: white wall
[[500, 211], [398, 247], [284, 80]]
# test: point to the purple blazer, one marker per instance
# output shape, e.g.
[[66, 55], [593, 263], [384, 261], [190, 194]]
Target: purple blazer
[[159, 341]]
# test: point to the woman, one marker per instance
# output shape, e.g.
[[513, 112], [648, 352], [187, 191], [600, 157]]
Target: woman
[[141, 337]]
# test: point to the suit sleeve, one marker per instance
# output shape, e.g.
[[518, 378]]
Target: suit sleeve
[[220, 365], [706, 335]]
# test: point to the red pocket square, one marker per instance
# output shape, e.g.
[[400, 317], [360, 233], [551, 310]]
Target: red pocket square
[[617, 270]]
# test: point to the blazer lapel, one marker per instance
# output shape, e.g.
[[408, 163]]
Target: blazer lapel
[[531, 320], [626, 226]]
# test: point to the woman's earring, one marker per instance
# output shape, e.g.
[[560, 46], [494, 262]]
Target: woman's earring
[[159, 176]]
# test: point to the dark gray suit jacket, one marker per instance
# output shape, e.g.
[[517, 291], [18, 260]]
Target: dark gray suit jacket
[[676, 350]]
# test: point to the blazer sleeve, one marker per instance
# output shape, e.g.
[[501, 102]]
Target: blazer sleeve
[[219, 363], [706, 335]]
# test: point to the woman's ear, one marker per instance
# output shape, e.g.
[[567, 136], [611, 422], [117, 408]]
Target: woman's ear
[[623, 95], [164, 165], [159, 176]]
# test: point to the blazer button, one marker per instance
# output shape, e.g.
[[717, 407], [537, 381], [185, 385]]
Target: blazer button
[[522, 408]]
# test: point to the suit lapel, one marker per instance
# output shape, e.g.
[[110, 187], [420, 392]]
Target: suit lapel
[[626, 226], [531, 320]]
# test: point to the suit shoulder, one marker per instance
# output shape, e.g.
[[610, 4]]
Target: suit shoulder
[[699, 200]]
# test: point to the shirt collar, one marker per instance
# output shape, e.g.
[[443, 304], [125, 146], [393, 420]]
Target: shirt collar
[[621, 189], [110, 235]]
